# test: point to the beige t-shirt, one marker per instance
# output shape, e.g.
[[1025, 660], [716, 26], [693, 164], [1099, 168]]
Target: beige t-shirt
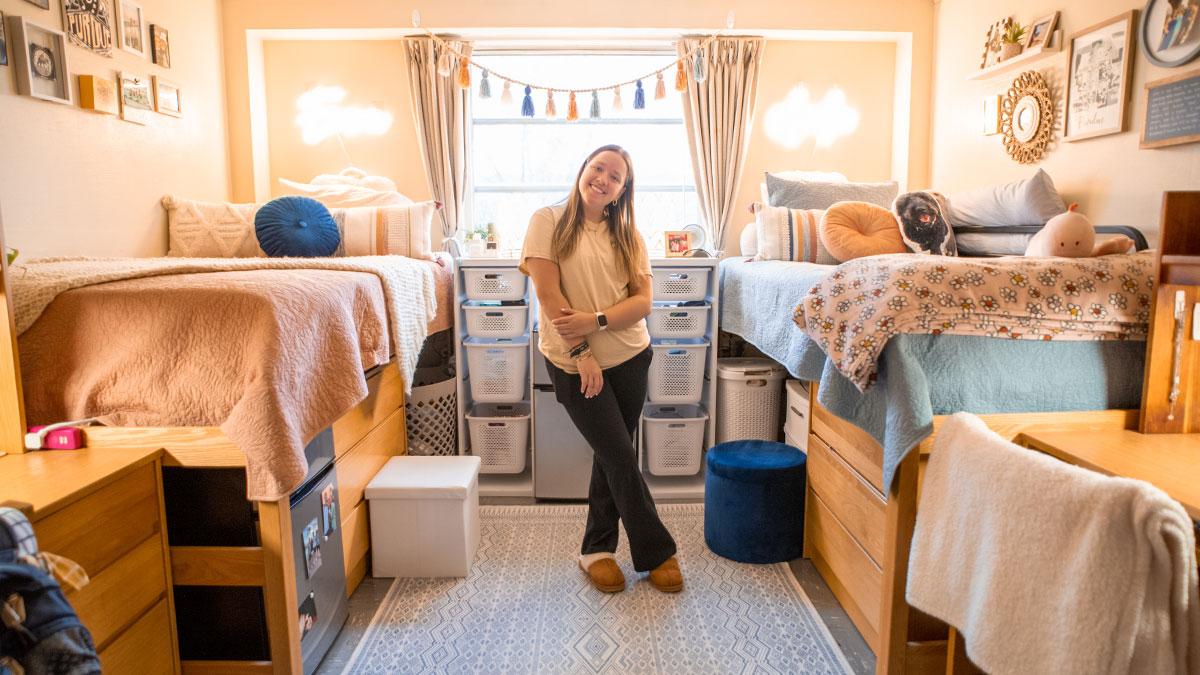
[[592, 281]]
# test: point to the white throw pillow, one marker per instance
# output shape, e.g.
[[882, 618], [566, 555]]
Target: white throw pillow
[[1031, 201], [748, 245]]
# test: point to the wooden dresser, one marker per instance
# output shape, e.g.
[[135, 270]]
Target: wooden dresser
[[103, 508]]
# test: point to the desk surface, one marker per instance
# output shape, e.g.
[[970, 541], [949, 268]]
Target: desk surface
[[1169, 461], [46, 480]]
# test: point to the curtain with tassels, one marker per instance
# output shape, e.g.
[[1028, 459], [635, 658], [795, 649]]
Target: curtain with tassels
[[719, 112], [439, 108]]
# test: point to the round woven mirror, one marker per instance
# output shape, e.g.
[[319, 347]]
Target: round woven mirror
[[1027, 118]]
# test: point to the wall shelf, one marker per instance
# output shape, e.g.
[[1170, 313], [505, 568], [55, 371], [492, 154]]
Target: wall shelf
[[1054, 46]]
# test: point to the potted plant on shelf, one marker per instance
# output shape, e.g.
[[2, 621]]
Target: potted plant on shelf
[[1014, 35]]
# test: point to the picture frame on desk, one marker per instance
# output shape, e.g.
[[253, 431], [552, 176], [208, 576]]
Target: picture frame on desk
[[1100, 68], [678, 243], [1040, 32]]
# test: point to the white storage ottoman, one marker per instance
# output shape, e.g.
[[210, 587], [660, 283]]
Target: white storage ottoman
[[424, 516]]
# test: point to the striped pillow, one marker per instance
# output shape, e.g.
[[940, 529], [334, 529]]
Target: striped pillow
[[382, 230], [790, 234]]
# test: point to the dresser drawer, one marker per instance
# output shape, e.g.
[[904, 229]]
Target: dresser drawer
[[856, 581], [122, 592], [98, 529], [144, 649], [859, 508], [854, 445]]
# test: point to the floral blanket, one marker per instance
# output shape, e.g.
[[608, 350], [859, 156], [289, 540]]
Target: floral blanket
[[853, 311]]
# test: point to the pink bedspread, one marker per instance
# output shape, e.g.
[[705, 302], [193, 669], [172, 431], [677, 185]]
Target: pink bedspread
[[853, 311], [271, 356]]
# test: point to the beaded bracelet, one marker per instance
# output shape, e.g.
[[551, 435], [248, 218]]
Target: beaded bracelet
[[578, 349], [581, 355]]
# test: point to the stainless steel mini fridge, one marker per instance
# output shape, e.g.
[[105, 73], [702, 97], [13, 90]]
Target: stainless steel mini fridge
[[562, 458]]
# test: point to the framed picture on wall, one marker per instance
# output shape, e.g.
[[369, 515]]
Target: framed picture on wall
[[137, 101], [1170, 32], [89, 24], [3, 43], [40, 58], [44, 4], [1100, 67], [160, 46], [131, 31], [166, 97]]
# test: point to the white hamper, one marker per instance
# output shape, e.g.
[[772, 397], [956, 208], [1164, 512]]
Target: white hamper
[[424, 516], [677, 371], [431, 413], [674, 436], [496, 368], [749, 397], [499, 436]]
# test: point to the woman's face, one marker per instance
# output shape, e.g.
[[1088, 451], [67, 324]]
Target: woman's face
[[603, 179]]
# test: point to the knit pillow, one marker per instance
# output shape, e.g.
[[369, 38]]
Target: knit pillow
[[386, 230], [790, 234], [852, 230]]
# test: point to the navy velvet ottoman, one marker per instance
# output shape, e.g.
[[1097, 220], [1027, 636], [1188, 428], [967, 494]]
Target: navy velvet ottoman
[[754, 501]]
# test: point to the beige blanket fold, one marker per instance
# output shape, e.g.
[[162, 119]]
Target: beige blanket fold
[[1046, 567]]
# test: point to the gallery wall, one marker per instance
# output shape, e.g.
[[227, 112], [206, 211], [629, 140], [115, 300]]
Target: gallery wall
[[75, 182], [1113, 180]]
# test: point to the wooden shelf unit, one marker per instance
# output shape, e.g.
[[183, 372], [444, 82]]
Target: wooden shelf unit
[[1026, 57]]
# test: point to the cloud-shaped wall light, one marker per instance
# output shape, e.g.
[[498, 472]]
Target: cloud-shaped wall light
[[797, 118], [320, 115]]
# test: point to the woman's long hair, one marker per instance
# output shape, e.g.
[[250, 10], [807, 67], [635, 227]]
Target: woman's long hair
[[621, 226]]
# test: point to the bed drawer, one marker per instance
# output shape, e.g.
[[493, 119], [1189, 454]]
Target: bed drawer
[[860, 509], [144, 649], [385, 393], [356, 544], [856, 581], [122, 592], [356, 468], [96, 530], [796, 415], [853, 444]]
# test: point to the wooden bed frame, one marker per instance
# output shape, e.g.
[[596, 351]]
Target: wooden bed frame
[[859, 542]]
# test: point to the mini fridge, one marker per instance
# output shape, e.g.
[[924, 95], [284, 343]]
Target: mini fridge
[[562, 458]]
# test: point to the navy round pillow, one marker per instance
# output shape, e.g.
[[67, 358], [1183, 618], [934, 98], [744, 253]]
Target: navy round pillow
[[296, 227]]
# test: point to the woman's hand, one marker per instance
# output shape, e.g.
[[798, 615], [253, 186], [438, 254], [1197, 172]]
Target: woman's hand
[[575, 325], [591, 378]]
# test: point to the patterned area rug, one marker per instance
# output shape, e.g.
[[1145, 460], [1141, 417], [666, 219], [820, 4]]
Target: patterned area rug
[[527, 608]]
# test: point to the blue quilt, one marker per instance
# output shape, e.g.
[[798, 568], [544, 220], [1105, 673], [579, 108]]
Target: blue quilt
[[921, 376]]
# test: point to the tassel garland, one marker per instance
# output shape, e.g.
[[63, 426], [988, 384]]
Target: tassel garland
[[572, 109], [616, 99], [660, 88], [443, 64], [506, 95], [485, 87], [701, 72], [551, 110], [639, 97], [464, 74], [527, 104], [680, 76], [594, 113]]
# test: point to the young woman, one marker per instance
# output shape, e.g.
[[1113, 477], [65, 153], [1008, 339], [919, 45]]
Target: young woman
[[592, 277]]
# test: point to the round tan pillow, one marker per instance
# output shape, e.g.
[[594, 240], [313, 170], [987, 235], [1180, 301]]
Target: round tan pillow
[[857, 229]]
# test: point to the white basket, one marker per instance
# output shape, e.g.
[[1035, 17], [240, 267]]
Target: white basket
[[495, 321], [497, 368], [493, 283], [749, 398], [677, 371], [499, 436], [670, 320], [674, 438], [431, 416], [675, 283]]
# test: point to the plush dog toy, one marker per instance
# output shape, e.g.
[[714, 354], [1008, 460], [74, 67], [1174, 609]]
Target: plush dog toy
[[1072, 235], [923, 223]]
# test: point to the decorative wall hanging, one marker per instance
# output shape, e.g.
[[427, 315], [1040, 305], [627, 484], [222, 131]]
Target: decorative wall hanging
[[3, 43], [40, 60], [160, 46], [1027, 118], [1170, 32], [1172, 111], [89, 24], [137, 101], [131, 33], [992, 45], [44, 4], [1100, 68], [166, 97], [98, 94]]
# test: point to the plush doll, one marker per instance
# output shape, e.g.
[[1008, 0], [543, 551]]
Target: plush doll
[[1072, 235]]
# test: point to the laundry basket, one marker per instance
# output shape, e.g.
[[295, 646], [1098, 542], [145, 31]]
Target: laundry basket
[[493, 283], [499, 436], [749, 397], [674, 283], [674, 438], [677, 320], [493, 320], [431, 413], [497, 368], [677, 371]]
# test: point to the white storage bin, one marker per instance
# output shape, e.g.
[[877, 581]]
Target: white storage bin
[[496, 368], [677, 371], [424, 516], [431, 414], [674, 438], [795, 416], [749, 396], [499, 436], [672, 320], [677, 283], [489, 283], [493, 320]]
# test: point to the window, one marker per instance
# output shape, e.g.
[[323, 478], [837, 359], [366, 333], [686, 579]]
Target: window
[[521, 164]]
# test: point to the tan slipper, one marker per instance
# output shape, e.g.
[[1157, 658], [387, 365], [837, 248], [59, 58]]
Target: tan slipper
[[667, 577], [604, 573]]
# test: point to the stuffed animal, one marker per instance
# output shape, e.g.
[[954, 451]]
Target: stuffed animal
[[924, 226], [1072, 235]]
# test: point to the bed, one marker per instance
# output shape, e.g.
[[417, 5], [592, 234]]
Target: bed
[[863, 473], [300, 346]]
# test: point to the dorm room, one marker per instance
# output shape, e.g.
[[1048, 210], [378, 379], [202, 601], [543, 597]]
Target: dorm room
[[921, 290]]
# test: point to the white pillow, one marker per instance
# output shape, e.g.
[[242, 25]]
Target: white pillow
[[827, 176], [1031, 201], [748, 244]]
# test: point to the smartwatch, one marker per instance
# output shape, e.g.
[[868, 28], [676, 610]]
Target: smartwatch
[[601, 320]]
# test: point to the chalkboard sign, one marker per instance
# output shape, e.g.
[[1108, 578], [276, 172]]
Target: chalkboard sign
[[1172, 111]]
